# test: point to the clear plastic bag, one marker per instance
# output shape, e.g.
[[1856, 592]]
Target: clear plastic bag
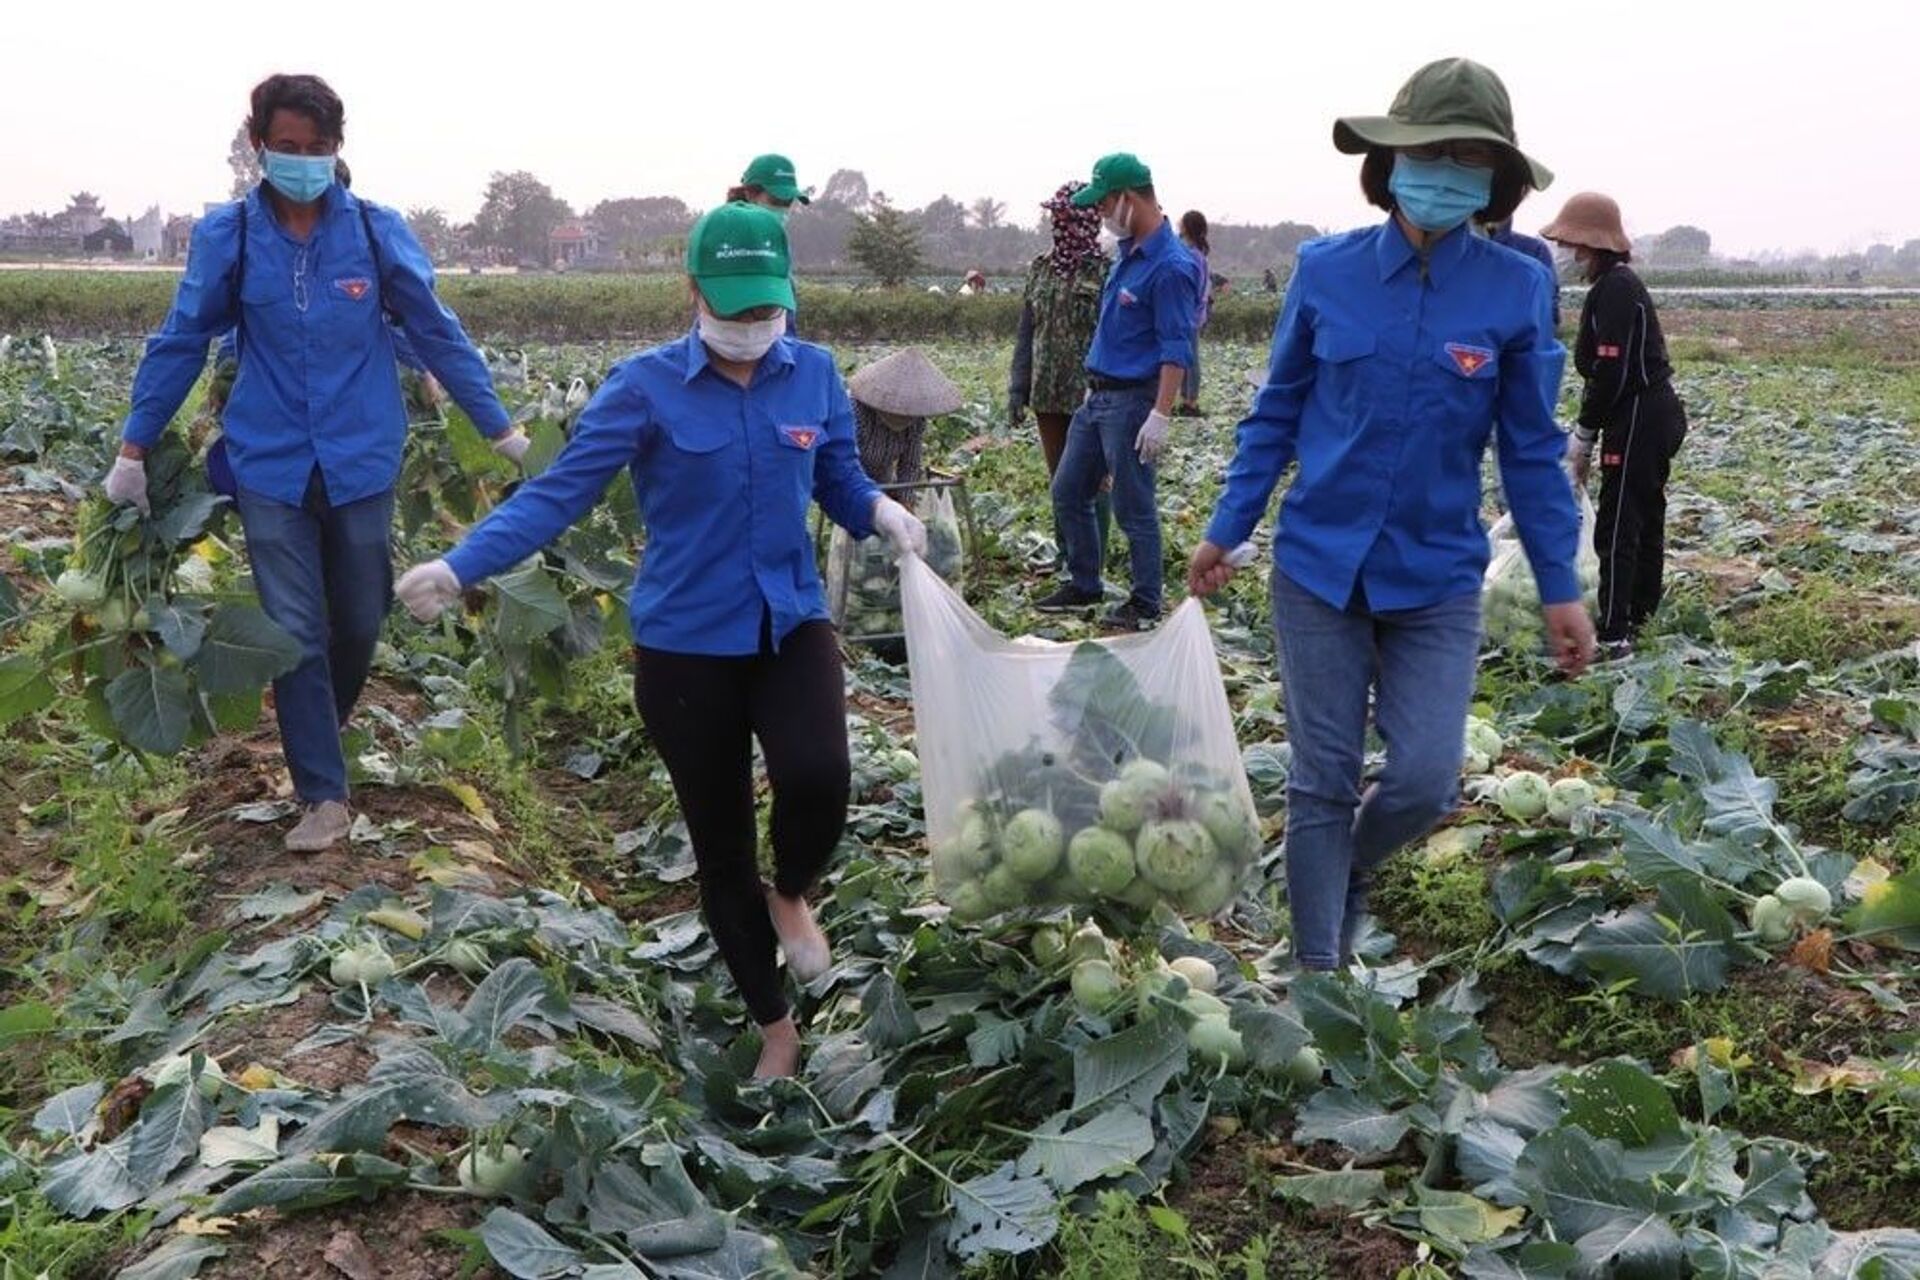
[[946, 553], [1104, 771], [863, 589], [863, 584], [1510, 601]]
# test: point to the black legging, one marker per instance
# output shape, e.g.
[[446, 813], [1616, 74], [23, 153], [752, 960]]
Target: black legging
[[703, 713], [1630, 527]]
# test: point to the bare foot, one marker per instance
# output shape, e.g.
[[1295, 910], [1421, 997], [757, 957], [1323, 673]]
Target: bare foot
[[800, 937], [779, 1050]]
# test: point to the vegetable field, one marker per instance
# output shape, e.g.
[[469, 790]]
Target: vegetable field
[[1648, 1006]]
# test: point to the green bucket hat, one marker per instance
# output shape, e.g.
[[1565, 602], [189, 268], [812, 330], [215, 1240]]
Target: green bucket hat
[[1121, 171], [774, 175], [1452, 100], [737, 255]]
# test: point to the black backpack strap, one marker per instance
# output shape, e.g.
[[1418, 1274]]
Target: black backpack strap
[[239, 274], [379, 267]]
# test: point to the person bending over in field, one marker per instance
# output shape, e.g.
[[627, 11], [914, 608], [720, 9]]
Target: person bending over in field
[[730, 434], [1398, 349], [1629, 409], [306, 273]]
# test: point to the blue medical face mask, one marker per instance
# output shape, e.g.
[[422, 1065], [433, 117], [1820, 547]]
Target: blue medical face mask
[[301, 179], [1438, 195]]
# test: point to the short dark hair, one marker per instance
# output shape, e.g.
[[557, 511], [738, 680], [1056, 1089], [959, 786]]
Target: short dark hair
[[1193, 225], [1510, 183], [311, 96], [743, 194], [1145, 193]]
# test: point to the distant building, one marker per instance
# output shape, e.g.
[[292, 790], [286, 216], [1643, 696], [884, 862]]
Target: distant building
[[149, 232], [571, 243], [110, 238], [175, 237], [84, 215]]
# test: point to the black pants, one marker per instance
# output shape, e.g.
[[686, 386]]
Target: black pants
[[703, 714], [1630, 532]]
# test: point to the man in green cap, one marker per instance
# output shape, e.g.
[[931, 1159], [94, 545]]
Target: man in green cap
[[771, 183], [1139, 357]]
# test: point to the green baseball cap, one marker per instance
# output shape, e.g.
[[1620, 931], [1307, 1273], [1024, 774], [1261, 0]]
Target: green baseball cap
[[1452, 100], [774, 175], [737, 255], [1121, 171]]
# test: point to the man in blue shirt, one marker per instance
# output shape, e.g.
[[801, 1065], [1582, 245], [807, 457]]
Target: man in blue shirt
[[1139, 357], [314, 425], [1502, 233]]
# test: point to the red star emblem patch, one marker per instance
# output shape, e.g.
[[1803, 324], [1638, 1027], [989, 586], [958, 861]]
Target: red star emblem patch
[[1469, 360], [800, 437], [355, 287]]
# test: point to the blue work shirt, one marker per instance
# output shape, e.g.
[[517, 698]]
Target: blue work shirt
[[724, 476], [1537, 249], [317, 383], [403, 351], [1148, 310], [1385, 382]]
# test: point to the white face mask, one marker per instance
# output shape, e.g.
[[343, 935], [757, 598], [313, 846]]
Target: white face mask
[[1116, 222], [740, 340], [1566, 262]]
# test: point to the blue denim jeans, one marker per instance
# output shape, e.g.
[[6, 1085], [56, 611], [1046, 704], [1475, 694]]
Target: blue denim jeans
[[325, 574], [1417, 666], [1100, 443], [1190, 385]]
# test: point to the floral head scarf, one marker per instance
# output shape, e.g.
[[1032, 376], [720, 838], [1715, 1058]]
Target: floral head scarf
[[1076, 232]]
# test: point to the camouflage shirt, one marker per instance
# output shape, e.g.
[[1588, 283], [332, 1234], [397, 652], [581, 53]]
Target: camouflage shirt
[[1057, 324]]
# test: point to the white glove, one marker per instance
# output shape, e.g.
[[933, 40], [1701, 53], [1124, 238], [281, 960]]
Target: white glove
[[900, 527], [127, 484], [1152, 438], [427, 589], [513, 447]]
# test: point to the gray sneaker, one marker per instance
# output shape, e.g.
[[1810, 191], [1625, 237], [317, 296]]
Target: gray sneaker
[[320, 828]]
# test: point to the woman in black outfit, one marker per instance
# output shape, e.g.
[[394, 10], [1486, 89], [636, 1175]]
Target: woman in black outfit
[[1629, 409]]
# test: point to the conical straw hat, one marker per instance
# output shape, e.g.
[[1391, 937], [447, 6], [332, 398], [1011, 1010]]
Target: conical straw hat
[[905, 383]]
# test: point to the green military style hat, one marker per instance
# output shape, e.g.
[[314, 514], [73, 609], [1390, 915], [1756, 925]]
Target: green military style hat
[[774, 175], [1121, 171], [1452, 100], [737, 255]]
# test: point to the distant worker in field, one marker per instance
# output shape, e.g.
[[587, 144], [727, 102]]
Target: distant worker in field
[[1059, 310], [1139, 357], [1193, 234], [1502, 233], [729, 435], [307, 274], [1400, 351], [1629, 409], [974, 284], [770, 183], [892, 399]]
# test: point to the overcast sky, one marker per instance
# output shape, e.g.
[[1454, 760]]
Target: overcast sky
[[1772, 126]]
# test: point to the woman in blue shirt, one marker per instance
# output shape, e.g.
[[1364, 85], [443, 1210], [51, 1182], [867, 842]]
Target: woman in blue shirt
[[1400, 349], [730, 434], [309, 277]]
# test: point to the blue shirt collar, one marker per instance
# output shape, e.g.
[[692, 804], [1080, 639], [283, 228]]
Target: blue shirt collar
[[1151, 245], [779, 356], [1396, 251]]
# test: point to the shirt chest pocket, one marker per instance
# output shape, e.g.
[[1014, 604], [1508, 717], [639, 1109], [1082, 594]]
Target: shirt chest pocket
[[696, 437], [1469, 376], [1342, 358]]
